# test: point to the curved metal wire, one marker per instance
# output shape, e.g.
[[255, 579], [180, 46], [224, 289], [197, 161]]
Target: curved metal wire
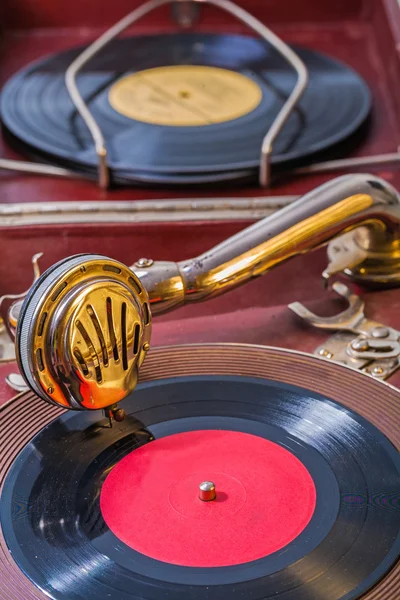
[[226, 5], [36, 168]]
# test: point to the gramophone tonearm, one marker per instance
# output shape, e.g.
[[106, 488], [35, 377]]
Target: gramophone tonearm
[[84, 328]]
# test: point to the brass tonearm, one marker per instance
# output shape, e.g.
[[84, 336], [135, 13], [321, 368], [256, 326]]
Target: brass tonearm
[[84, 328]]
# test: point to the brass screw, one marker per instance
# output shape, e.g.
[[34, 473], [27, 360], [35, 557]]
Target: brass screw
[[146, 346], [50, 390], [144, 262]]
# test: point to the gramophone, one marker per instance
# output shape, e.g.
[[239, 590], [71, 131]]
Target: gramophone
[[211, 467]]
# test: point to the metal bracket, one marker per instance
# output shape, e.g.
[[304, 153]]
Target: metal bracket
[[374, 350], [8, 321]]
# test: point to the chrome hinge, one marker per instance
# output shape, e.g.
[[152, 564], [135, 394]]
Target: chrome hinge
[[360, 342]]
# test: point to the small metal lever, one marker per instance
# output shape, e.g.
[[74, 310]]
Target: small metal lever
[[369, 348], [8, 321], [344, 253], [348, 320], [375, 350], [12, 314]]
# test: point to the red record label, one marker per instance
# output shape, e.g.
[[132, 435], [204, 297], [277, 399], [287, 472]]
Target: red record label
[[265, 497]]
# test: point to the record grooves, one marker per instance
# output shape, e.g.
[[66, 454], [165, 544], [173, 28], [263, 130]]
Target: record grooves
[[164, 126], [284, 397]]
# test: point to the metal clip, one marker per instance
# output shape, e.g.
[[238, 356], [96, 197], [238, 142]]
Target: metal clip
[[376, 348]]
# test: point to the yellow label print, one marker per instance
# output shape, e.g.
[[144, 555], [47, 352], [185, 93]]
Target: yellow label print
[[185, 95]]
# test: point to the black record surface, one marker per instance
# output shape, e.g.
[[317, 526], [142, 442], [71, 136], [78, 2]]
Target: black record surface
[[55, 532], [37, 111]]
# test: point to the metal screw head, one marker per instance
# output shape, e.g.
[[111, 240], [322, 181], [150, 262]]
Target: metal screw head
[[324, 352], [207, 491], [380, 332], [360, 345], [377, 371], [142, 263]]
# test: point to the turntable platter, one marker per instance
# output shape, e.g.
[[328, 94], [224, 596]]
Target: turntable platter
[[307, 481]]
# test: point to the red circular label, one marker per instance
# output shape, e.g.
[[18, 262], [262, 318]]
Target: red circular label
[[265, 497]]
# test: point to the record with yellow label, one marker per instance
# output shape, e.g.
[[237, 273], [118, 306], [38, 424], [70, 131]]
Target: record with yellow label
[[183, 108]]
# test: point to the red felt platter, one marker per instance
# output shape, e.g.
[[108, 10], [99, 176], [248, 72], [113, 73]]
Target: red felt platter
[[150, 499]]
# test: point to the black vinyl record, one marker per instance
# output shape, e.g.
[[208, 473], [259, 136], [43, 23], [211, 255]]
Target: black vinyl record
[[37, 110], [56, 533]]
